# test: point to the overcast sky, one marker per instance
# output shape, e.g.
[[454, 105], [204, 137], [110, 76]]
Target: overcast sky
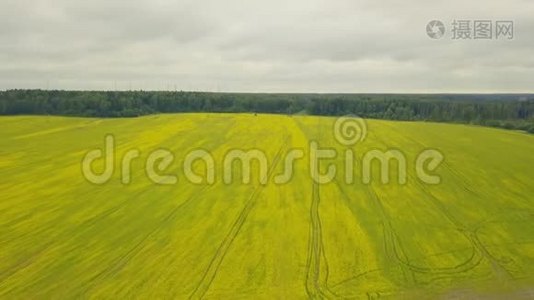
[[262, 46]]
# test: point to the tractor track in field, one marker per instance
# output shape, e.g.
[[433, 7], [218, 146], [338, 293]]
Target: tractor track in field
[[30, 214], [314, 287], [496, 263], [355, 277], [23, 263], [477, 252], [168, 139], [124, 259], [119, 263], [478, 247], [20, 265], [395, 250], [470, 263], [211, 271], [90, 221], [469, 233], [316, 262], [392, 245]]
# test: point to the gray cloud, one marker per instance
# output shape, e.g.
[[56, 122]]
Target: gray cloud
[[275, 46]]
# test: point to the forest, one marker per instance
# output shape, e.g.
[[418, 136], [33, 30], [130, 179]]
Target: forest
[[509, 111]]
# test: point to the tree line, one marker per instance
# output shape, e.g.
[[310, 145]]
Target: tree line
[[510, 111]]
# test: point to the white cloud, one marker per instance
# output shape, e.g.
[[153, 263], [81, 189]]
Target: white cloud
[[262, 46]]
